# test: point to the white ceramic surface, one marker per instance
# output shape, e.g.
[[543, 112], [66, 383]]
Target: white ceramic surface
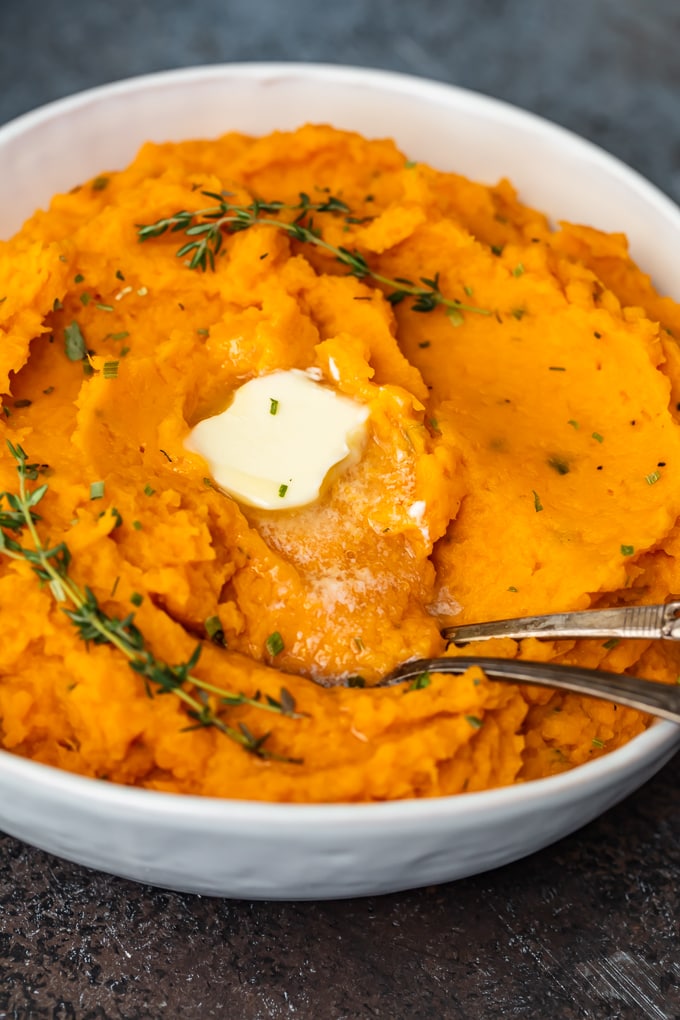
[[239, 849]]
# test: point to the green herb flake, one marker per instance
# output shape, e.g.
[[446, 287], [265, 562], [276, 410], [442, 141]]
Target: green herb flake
[[117, 336], [274, 643], [651, 478], [497, 249], [23, 403], [74, 342], [148, 491], [213, 628], [99, 183], [56, 305], [474, 721], [598, 743], [137, 525], [409, 164], [119, 275], [358, 681], [627, 550], [136, 599], [273, 406], [103, 308], [518, 313], [612, 643], [574, 424], [96, 490], [85, 298], [124, 351], [559, 464], [469, 291], [455, 316], [203, 332], [518, 270], [538, 506], [283, 489], [110, 369], [597, 437], [512, 588], [50, 389], [556, 368], [78, 278], [420, 682]]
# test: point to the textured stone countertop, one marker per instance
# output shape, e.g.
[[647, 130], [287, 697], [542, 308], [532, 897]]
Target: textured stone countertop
[[585, 929]]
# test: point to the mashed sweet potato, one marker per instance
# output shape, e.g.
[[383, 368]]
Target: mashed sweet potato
[[522, 458]]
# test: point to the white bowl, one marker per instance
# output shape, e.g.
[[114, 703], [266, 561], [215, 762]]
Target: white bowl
[[271, 851]]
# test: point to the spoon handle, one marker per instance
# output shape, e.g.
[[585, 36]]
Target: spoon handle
[[624, 622], [647, 695]]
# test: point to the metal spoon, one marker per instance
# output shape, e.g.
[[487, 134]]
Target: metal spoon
[[624, 622], [652, 622], [648, 695]]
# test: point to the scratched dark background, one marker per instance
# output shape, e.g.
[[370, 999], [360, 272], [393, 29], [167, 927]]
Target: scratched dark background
[[585, 930]]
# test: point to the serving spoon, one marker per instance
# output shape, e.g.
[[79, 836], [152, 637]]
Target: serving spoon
[[652, 622]]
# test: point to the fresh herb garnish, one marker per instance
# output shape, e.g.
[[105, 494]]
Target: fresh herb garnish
[[274, 643], [213, 628], [474, 721], [96, 490], [597, 437], [538, 506], [206, 229], [419, 683], [110, 369], [74, 342], [652, 478], [627, 550], [95, 626], [273, 406], [283, 489]]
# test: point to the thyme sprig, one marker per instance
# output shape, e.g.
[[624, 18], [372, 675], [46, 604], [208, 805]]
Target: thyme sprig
[[94, 625], [207, 227]]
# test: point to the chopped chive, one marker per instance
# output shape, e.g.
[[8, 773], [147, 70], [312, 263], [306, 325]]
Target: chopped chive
[[358, 681], [474, 721], [96, 490], [117, 336], [512, 588], [409, 164], [574, 424], [119, 275], [627, 550], [497, 249], [136, 599], [85, 298], [556, 368], [597, 437], [274, 643], [124, 351], [78, 278], [469, 291], [612, 643], [518, 270], [56, 305], [538, 506], [651, 478], [420, 682], [110, 369], [99, 183], [148, 491], [559, 464], [50, 389], [518, 313], [283, 489], [203, 332], [273, 405], [213, 628], [74, 342], [103, 308], [137, 525], [597, 742]]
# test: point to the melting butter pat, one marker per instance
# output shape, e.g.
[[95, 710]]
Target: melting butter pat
[[276, 442]]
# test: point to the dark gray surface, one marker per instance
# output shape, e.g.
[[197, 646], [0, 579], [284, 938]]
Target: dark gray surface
[[587, 929]]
